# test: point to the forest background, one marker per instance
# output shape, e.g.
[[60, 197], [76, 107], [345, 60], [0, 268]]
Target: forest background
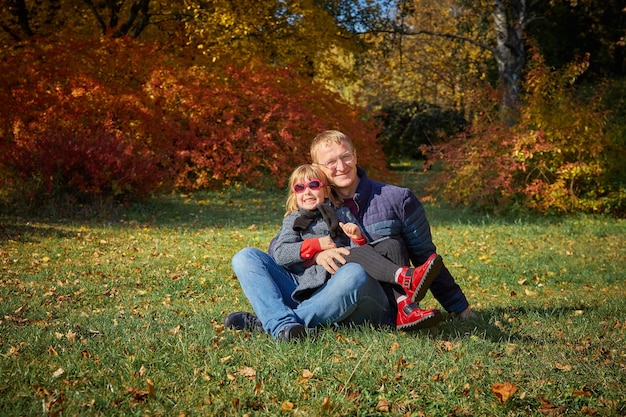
[[516, 105]]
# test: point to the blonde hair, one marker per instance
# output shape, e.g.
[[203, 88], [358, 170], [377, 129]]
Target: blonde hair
[[304, 173], [328, 137]]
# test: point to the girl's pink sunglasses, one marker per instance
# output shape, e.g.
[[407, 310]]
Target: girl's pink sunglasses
[[313, 185]]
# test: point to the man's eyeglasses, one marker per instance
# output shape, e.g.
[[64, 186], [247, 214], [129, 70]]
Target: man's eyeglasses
[[313, 185], [346, 158]]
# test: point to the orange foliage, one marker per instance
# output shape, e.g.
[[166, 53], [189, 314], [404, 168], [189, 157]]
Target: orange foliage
[[556, 159], [114, 117]]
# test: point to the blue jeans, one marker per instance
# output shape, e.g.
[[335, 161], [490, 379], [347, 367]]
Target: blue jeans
[[350, 296]]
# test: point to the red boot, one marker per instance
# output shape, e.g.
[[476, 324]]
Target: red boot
[[416, 281], [411, 317]]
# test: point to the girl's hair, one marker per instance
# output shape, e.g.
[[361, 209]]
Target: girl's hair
[[305, 173], [328, 137]]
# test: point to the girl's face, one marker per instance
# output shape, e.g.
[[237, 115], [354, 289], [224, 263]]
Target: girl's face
[[312, 195]]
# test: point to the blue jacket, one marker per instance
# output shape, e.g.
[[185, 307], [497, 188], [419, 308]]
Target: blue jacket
[[388, 210]]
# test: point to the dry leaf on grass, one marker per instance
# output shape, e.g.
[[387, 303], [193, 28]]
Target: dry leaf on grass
[[247, 372], [504, 391]]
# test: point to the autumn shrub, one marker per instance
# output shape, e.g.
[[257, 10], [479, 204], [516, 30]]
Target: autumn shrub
[[557, 158], [113, 117], [74, 120]]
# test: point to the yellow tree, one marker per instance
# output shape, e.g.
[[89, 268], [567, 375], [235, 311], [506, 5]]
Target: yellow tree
[[438, 50], [427, 65], [301, 34]]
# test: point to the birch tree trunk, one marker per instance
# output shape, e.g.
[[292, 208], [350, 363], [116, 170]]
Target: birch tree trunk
[[509, 19]]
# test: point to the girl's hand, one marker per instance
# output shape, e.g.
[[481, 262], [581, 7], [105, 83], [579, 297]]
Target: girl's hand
[[326, 243], [352, 230]]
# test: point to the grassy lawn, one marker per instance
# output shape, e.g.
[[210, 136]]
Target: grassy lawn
[[122, 314]]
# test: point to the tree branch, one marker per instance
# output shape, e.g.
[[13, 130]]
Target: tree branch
[[99, 18], [139, 6]]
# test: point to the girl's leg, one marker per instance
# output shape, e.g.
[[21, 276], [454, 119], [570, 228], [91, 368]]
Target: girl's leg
[[379, 260]]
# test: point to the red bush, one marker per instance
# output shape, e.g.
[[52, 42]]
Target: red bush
[[113, 117]]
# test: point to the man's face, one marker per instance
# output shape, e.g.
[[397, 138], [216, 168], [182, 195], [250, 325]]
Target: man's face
[[338, 160]]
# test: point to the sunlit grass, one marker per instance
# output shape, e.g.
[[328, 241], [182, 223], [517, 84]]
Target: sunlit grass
[[121, 314]]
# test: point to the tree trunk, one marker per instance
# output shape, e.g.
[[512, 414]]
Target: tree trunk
[[509, 18]]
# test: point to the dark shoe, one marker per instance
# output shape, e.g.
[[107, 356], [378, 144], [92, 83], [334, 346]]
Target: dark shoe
[[411, 317], [292, 332], [242, 320], [416, 281]]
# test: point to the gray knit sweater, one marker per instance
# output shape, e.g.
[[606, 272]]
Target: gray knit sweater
[[288, 246]]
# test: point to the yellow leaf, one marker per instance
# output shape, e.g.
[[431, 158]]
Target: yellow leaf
[[71, 336], [150, 386], [530, 293], [563, 367], [287, 406], [326, 404]]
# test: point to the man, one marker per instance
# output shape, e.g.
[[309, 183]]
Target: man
[[350, 295]]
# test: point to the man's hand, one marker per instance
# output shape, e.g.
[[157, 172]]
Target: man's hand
[[332, 259], [351, 230]]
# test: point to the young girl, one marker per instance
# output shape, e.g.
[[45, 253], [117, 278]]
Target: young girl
[[314, 222]]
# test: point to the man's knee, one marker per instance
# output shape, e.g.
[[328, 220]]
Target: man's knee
[[246, 256], [351, 276]]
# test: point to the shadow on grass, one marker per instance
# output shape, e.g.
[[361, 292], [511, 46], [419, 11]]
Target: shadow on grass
[[234, 207], [491, 324], [30, 233]]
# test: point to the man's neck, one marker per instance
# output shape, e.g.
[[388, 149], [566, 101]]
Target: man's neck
[[348, 192]]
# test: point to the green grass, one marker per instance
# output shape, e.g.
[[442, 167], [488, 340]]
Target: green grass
[[121, 313]]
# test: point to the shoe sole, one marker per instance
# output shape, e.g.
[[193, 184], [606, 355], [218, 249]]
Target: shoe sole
[[243, 324], [424, 323], [429, 276]]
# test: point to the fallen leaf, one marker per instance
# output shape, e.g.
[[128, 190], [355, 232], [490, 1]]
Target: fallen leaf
[[326, 404], [306, 375], [58, 373], [504, 391], [138, 394], [71, 336], [548, 408], [588, 411], [150, 387], [287, 406], [247, 372], [563, 367], [258, 387], [383, 405]]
